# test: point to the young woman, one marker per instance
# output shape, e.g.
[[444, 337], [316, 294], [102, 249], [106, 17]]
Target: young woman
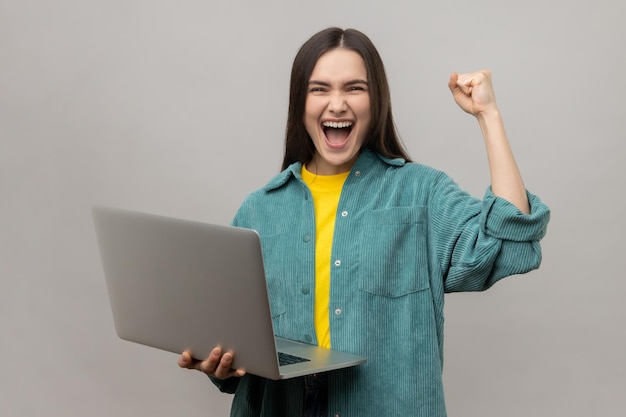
[[360, 244]]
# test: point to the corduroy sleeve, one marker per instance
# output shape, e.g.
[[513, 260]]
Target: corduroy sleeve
[[480, 242], [502, 220]]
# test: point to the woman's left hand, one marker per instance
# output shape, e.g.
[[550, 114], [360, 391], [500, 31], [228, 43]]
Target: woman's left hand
[[473, 91]]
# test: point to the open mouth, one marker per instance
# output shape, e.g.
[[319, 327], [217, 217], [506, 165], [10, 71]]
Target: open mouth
[[337, 133]]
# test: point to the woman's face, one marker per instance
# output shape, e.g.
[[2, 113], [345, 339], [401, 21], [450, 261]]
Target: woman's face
[[337, 112]]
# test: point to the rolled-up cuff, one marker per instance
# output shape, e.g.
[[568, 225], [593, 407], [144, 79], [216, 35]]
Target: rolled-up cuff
[[503, 220]]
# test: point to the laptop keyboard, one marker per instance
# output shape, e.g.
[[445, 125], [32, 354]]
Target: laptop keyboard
[[287, 359]]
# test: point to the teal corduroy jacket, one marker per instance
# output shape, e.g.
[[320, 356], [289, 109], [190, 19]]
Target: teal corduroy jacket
[[405, 234]]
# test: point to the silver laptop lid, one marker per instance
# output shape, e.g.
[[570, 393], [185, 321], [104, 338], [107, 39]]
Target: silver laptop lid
[[161, 276]]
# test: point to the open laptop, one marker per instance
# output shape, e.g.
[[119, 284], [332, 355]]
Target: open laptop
[[183, 285]]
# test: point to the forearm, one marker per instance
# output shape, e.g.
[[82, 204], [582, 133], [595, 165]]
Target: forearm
[[506, 179]]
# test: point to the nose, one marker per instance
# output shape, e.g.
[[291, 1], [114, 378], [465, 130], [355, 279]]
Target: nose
[[337, 103]]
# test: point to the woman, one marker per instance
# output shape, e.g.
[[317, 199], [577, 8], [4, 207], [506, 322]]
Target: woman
[[360, 244]]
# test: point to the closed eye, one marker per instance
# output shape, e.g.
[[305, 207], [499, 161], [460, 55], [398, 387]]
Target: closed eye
[[318, 86], [356, 85]]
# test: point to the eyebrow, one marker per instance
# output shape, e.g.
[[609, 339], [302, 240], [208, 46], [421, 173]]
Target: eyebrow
[[347, 83]]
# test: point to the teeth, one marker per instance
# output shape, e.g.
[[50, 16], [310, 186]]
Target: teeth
[[337, 125]]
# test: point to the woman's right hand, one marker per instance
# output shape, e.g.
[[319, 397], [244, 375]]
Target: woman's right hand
[[217, 365]]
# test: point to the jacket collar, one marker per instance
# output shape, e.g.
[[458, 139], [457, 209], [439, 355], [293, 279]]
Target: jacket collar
[[365, 159]]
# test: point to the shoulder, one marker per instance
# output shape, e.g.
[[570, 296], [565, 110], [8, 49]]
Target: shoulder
[[278, 193], [400, 170]]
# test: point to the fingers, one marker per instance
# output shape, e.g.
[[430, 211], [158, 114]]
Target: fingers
[[186, 361], [466, 82], [216, 365], [473, 91], [213, 362], [208, 366], [452, 82], [220, 368], [224, 368]]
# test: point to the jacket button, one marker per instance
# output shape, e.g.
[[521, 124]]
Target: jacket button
[[306, 238], [306, 290], [308, 338]]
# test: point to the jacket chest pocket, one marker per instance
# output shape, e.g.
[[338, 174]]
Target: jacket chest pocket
[[393, 258]]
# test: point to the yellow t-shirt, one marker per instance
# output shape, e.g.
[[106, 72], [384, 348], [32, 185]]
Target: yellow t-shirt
[[326, 190]]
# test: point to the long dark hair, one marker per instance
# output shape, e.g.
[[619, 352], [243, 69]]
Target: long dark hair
[[382, 136]]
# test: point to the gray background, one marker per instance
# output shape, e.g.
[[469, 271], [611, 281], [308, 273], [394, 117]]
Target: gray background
[[148, 104]]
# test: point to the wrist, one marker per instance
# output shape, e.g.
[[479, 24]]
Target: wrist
[[488, 115], [491, 124]]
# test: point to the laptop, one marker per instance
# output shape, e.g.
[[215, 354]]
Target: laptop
[[181, 285]]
